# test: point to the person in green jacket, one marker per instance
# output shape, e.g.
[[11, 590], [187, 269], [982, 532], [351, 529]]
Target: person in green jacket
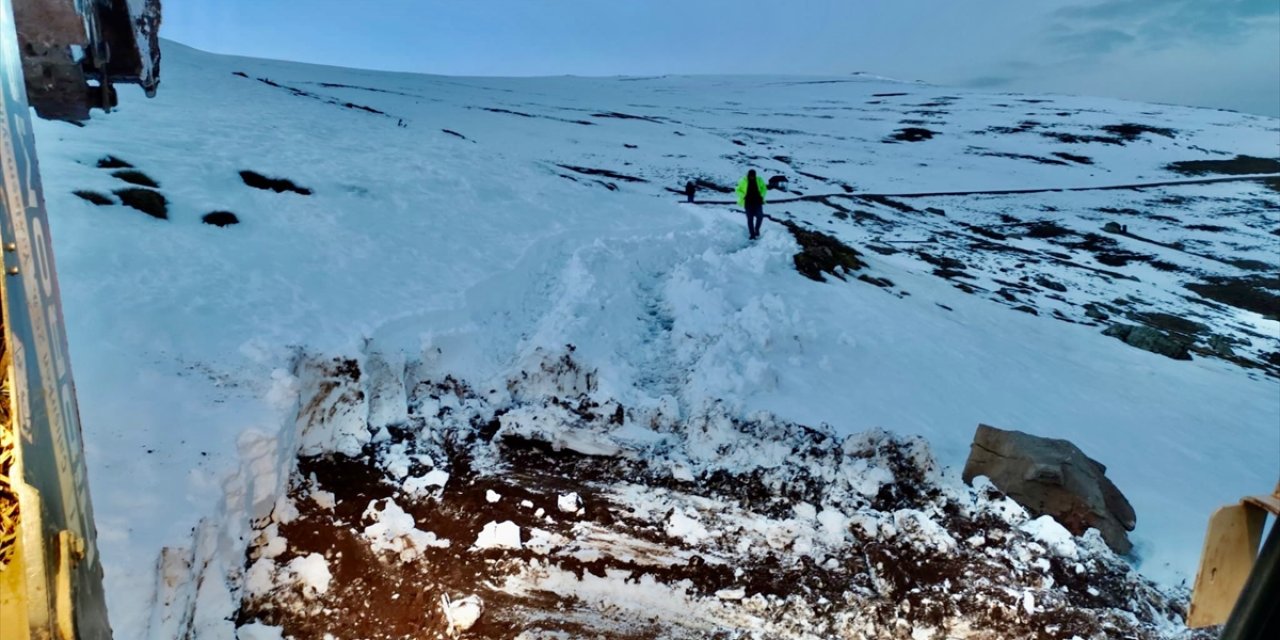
[[751, 193]]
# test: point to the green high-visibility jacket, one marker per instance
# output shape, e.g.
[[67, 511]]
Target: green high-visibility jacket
[[742, 190]]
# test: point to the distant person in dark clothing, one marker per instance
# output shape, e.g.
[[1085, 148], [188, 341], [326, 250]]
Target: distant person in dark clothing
[[751, 193], [689, 189]]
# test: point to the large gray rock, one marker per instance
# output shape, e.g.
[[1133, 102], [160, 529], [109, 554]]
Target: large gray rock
[[1153, 340], [1053, 477]]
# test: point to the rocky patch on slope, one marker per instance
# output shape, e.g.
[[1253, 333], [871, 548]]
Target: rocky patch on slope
[[426, 507]]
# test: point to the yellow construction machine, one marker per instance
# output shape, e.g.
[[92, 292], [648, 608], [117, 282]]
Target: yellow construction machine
[[1236, 585], [61, 57]]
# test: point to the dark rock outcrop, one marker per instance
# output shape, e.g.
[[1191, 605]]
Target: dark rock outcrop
[[1053, 477], [220, 219], [133, 176], [152, 203], [1153, 340], [96, 198], [821, 253], [278, 185]]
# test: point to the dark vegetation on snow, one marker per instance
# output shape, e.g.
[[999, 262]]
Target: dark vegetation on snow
[[152, 203], [706, 184], [1114, 134], [133, 176], [454, 133], [302, 93], [278, 185], [1071, 157], [1022, 156], [1076, 138], [822, 254], [601, 172], [912, 134], [625, 116], [1129, 132], [338, 85], [1239, 165], [112, 162], [530, 115], [885, 201], [220, 218], [1045, 229], [1254, 293], [99, 199]]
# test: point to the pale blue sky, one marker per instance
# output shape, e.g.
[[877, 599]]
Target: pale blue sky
[[1214, 53]]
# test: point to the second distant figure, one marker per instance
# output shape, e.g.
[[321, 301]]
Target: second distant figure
[[751, 195]]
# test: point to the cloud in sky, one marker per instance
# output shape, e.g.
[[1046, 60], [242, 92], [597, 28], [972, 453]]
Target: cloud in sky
[[1216, 53], [1154, 24], [1077, 46], [1093, 41]]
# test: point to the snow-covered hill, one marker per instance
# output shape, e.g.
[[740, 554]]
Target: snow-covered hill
[[480, 224]]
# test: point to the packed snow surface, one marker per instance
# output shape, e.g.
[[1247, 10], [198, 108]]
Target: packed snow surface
[[470, 224]]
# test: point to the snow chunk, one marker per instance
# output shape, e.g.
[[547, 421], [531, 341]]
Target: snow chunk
[[732, 594], [863, 476], [558, 428], [686, 527], [922, 530], [570, 503], [261, 577], [1005, 508], [274, 544], [396, 461], [324, 499], [805, 511], [542, 541], [873, 524], [259, 631], [463, 613], [395, 531], [499, 535], [335, 418], [420, 486], [285, 510], [1054, 536], [834, 525], [492, 496], [310, 572]]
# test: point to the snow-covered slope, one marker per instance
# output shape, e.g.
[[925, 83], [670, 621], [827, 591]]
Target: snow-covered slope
[[487, 221]]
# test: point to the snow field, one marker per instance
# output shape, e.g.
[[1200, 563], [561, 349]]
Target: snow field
[[478, 258]]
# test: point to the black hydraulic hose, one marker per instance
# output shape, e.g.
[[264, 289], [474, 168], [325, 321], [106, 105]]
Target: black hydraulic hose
[[1256, 615]]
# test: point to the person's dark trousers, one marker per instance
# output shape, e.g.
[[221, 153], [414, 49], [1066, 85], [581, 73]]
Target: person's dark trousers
[[755, 217]]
